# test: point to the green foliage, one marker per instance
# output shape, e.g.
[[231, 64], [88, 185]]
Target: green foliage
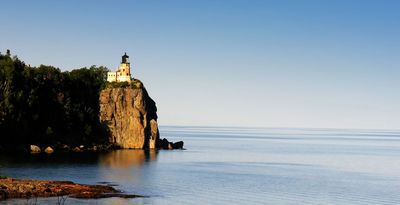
[[135, 84], [117, 84], [43, 105]]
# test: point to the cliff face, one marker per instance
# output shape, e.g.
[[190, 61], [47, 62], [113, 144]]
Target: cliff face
[[131, 116]]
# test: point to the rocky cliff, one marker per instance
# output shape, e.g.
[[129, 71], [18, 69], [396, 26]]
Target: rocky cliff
[[131, 116]]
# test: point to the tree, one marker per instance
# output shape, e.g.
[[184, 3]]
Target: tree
[[43, 105]]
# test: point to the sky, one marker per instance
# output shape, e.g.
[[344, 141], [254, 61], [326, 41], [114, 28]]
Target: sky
[[250, 63]]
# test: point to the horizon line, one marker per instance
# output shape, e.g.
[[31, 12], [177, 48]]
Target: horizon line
[[283, 127]]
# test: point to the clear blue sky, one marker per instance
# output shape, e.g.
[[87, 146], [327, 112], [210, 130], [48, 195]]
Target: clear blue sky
[[308, 63]]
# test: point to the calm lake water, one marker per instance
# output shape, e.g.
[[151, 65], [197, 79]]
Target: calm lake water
[[235, 166]]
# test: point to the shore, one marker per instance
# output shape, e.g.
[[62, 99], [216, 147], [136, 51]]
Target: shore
[[26, 188], [64, 148]]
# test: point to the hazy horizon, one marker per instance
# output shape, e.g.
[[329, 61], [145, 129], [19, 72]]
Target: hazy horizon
[[277, 64]]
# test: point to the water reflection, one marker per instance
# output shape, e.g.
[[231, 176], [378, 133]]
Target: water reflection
[[48, 159], [127, 167], [115, 159], [127, 158]]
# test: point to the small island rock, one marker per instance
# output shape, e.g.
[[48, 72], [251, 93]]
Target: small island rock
[[165, 144], [177, 145]]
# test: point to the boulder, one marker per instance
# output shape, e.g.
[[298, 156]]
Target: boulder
[[163, 144], [77, 149], [35, 149], [49, 150], [177, 145], [66, 148]]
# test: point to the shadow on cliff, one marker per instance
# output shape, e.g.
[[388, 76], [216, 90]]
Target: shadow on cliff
[[151, 105]]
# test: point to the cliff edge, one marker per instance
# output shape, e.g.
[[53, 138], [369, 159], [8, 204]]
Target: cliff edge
[[131, 116]]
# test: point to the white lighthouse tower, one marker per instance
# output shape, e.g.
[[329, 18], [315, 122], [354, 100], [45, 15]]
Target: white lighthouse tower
[[123, 73]]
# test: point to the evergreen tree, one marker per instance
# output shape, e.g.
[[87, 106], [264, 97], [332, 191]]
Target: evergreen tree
[[42, 105]]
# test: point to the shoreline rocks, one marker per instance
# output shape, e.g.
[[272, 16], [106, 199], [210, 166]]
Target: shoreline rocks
[[63, 148], [27, 188], [59, 148], [49, 150], [165, 144], [35, 149], [177, 145]]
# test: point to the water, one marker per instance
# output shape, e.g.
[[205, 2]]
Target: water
[[236, 166]]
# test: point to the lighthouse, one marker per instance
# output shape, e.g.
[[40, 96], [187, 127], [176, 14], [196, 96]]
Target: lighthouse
[[123, 73]]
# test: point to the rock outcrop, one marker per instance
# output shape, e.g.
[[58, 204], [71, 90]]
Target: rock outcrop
[[27, 188], [165, 144], [131, 116]]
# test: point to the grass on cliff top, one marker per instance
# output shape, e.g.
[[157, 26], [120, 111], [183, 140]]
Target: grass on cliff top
[[135, 84]]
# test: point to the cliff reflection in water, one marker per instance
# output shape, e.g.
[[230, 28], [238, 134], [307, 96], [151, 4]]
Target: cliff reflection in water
[[128, 166], [127, 158]]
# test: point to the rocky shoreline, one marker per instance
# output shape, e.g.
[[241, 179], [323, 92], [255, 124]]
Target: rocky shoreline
[[66, 148], [63, 148], [161, 144], [58, 148], [27, 188]]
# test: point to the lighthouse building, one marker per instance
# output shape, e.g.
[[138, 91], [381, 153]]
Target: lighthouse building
[[123, 73]]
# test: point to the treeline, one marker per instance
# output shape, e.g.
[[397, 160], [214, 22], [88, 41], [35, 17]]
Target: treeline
[[43, 105]]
